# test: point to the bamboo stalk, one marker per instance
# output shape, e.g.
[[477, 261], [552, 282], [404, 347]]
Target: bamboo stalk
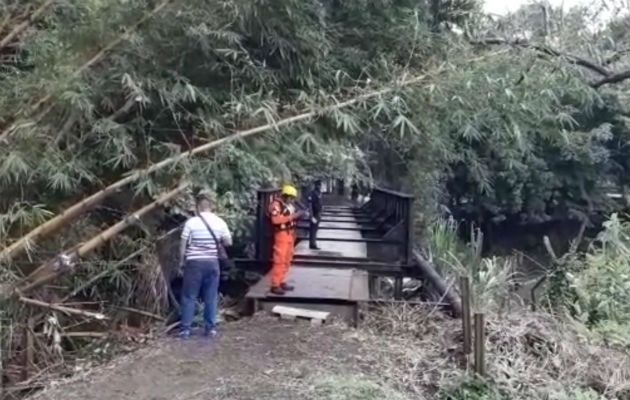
[[9, 129], [85, 334], [438, 282], [25, 24], [50, 269], [30, 345], [63, 309], [69, 214], [142, 312], [28, 348]]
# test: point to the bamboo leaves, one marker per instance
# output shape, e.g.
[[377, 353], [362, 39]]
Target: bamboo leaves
[[404, 125], [203, 76]]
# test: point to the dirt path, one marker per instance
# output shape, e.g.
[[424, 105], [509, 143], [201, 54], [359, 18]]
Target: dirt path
[[258, 358]]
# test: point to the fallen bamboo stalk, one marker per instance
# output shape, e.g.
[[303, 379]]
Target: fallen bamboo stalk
[[69, 214], [170, 327], [21, 27], [438, 282], [141, 312], [28, 348], [8, 130], [93, 60], [52, 268], [85, 334], [63, 309]]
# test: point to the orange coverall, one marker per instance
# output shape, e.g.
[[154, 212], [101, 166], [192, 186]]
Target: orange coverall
[[283, 219]]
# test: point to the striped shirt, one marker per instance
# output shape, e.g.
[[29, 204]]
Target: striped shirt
[[200, 244]]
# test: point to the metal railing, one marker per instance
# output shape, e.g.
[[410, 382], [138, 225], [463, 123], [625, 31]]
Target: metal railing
[[393, 210], [386, 210]]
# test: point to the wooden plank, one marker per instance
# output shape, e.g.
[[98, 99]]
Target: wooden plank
[[300, 312], [344, 312], [464, 291], [359, 286], [317, 283], [480, 342]]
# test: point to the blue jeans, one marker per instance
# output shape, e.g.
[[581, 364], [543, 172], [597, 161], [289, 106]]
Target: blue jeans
[[200, 276]]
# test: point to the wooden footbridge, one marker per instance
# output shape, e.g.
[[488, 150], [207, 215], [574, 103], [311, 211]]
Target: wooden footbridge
[[358, 244]]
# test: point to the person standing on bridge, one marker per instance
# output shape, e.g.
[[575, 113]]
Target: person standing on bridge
[[284, 217], [199, 257], [315, 203]]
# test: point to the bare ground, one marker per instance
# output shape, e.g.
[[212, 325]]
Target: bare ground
[[257, 358], [401, 352]]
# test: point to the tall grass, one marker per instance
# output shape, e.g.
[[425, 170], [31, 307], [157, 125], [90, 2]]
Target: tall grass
[[492, 278]]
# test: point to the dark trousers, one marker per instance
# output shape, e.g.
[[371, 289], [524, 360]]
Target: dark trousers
[[312, 235], [200, 276]]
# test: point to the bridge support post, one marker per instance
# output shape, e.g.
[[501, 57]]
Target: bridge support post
[[398, 287], [407, 213]]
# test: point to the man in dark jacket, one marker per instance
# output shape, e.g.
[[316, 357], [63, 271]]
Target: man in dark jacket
[[315, 203]]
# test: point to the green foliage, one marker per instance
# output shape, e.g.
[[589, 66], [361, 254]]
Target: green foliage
[[497, 133], [350, 388], [601, 282], [471, 389], [491, 278], [583, 394], [593, 286], [486, 132]]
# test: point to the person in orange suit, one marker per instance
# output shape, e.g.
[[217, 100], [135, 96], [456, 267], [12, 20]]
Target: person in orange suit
[[284, 217]]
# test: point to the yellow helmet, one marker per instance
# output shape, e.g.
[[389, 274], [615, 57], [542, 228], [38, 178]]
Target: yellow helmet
[[288, 190]]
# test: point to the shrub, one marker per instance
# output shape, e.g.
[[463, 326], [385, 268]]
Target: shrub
[[594, 286]]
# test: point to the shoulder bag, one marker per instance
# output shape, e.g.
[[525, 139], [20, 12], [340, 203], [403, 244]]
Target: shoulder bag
[[221, 253]]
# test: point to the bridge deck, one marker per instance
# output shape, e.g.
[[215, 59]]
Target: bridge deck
[[341, 249], [325, 283], [318, 283]]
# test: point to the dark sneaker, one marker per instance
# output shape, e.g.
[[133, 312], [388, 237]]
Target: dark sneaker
[[277, 290], [314, 248], [184, 334], [286, 287]]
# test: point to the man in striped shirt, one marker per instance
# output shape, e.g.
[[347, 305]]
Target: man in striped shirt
[[201, 237]]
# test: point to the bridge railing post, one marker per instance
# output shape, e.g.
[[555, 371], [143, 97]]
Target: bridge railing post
[[263, 224], [408, 226]]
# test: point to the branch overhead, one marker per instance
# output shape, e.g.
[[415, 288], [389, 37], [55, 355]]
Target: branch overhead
[[573, 59], [615, 78]]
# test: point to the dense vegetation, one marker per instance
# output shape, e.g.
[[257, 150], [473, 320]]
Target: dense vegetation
[[519, 119]]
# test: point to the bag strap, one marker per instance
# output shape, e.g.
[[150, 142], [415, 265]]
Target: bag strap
[[211, 232]]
